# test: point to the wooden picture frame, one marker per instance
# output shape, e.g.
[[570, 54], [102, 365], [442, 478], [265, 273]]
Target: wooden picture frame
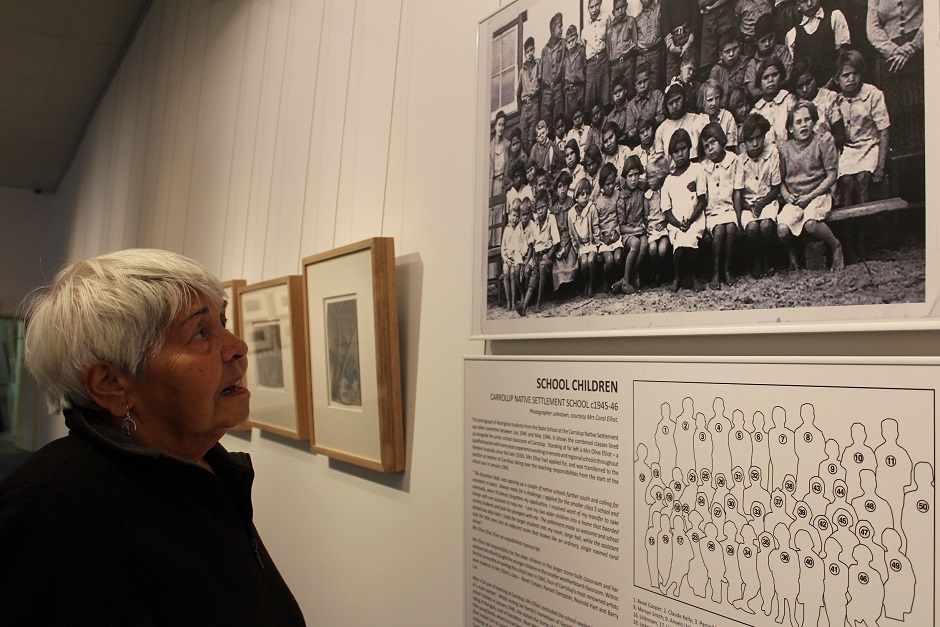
[[271, 323], [231, 297], [353, 365]]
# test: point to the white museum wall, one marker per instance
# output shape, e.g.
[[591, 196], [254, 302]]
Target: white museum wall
[[251, 133], [26, 262]]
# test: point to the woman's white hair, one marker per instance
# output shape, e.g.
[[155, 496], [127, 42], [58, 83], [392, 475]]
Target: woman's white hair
[[115, 308]]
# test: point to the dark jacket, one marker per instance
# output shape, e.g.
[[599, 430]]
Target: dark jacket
[[96, 529]]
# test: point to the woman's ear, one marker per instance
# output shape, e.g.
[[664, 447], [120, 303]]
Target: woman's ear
[[107, 386]]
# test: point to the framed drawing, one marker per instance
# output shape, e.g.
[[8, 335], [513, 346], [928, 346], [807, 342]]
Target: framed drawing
[[560, 95], [272, 324], [352, 342]]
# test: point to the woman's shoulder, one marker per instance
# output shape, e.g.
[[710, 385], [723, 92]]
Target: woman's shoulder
[[65, 473]]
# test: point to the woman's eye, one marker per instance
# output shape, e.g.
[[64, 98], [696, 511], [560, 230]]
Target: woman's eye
[[201, 333]]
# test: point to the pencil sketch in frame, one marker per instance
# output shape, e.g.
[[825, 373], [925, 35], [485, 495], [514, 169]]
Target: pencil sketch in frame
[[342, 340], [268, 357], [352, 341], [271, 318], [888, 243]]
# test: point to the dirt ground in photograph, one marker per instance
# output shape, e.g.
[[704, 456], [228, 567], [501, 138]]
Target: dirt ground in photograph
[[894, 275]]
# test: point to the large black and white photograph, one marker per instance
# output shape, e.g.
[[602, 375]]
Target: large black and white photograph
[[683, 165]]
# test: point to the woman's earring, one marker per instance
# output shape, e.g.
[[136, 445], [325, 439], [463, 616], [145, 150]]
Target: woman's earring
[[128, 426]]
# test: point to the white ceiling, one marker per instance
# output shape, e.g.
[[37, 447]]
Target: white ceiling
[[56, 59]]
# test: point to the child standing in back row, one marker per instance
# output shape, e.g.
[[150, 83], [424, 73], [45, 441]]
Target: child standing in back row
[[574, 67]]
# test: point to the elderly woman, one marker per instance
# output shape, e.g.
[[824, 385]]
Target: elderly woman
[[139, 515], [896, 29]]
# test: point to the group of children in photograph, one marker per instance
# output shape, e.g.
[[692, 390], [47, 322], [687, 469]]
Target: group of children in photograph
[[643, 140]]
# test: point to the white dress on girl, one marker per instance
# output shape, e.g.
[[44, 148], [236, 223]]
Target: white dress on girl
[[679, 195]]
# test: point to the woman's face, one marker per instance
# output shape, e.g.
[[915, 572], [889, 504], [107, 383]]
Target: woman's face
[[500, 126], [192, 389]]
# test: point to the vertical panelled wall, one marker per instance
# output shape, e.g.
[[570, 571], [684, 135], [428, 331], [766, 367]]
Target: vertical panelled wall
[[247, 134], [251, 133]]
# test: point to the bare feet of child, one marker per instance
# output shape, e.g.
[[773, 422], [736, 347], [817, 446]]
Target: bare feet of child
[[838, 260]]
